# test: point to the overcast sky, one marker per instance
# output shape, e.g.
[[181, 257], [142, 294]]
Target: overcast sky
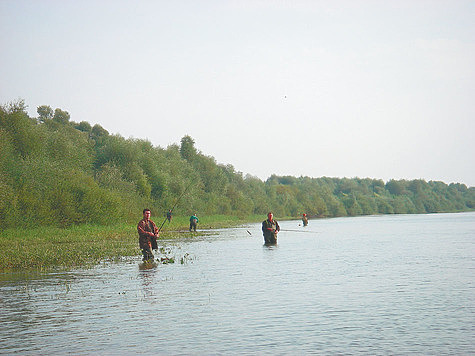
[[379, 89]]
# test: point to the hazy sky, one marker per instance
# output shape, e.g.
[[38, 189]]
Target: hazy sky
[[379, 89]]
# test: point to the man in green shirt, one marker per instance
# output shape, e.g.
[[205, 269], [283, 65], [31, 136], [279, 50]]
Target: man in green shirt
[[193, 222]]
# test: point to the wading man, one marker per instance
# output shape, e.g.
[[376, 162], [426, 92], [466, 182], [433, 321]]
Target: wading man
[[270, 228], [304, 219], [148, 233], [193, 221]]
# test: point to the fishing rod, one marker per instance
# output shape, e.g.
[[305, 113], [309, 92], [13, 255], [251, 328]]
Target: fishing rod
[[309, 232], [176, 202]]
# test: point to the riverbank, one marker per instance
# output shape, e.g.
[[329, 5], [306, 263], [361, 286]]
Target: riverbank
[[46, 248]]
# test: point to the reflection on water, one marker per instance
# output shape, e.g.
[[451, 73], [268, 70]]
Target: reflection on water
[[370, 285], [147, 274]]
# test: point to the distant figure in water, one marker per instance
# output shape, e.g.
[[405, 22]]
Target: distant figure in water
[[193, 222], [270, 229], [169, 216], [304, 219], [148, 233]]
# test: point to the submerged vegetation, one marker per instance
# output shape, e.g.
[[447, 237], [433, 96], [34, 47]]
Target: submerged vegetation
[[57, 175], [86, 245], [43, 247]]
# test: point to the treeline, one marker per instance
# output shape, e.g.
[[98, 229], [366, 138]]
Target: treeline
[[54, 171]]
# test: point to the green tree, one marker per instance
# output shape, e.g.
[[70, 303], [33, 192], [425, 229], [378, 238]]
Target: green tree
[[187, 148], [61, 117], [25, 136], [57, 172], [395, 187], [84, 126], [352, 206], [45, 113]]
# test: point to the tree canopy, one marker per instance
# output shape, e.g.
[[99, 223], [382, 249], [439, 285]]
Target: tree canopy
[[54, 171]]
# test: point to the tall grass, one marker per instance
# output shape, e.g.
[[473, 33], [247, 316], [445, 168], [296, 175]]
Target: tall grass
[[46, 247], [86, 245]]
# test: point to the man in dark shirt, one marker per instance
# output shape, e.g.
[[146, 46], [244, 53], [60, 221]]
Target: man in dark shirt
[[270, 228], [148, 233]]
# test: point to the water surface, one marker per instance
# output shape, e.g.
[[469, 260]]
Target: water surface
[[398, 284]]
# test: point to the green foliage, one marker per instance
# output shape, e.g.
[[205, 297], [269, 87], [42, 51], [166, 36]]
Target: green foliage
[[21, 130], [8, 203], [55, 172], [395, 187], [61, 117], [187, 148], [45, 113], [352, 206], [84, 126]]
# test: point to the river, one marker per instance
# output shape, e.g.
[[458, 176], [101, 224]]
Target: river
[[372, 285]]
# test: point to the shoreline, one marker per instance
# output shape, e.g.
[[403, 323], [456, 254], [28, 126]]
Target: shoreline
[[51, 248], [82, 246]]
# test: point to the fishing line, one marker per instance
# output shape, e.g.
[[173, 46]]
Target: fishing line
[[309, 232], [176, 202]]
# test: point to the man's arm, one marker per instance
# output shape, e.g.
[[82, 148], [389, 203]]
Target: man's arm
[[155, 229], [265, 227]]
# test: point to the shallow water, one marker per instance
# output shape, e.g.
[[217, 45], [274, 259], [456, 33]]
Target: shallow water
[[399, 284]]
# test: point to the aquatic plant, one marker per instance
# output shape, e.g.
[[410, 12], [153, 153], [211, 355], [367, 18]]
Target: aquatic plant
[[186, 258], [47, 247]]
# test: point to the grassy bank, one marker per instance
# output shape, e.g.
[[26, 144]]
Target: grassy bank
[[86, 245]]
